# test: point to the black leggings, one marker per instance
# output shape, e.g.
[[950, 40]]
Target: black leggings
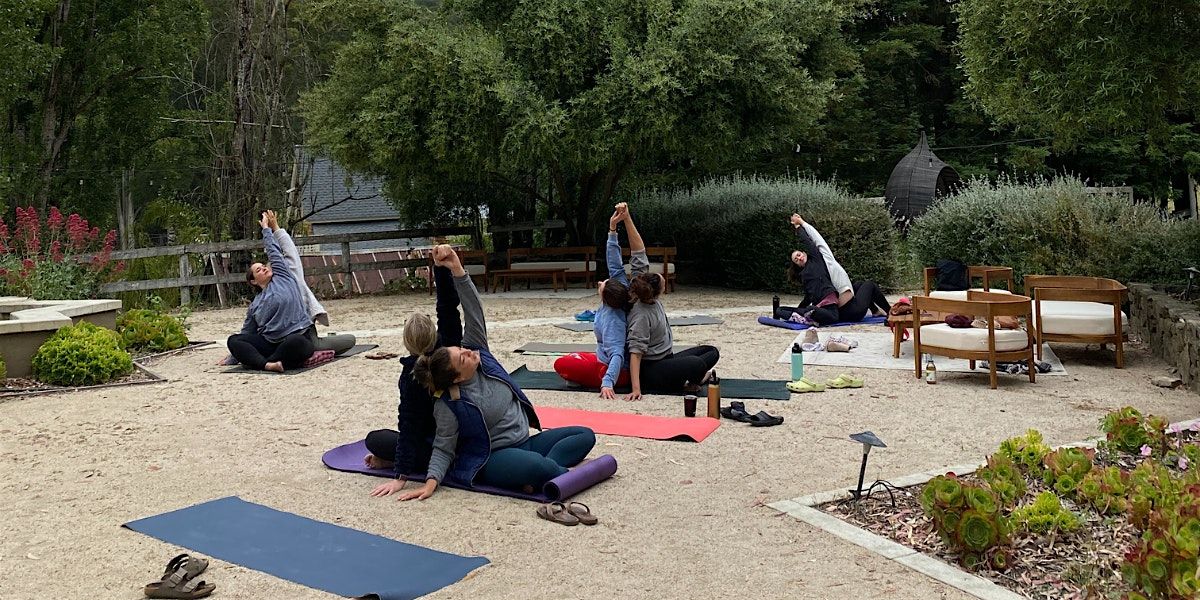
[[255, 351], [867, 296], [825, 315], [671, 373], [382, 443]]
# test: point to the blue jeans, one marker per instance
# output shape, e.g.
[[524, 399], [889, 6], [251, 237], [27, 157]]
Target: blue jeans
[[538, 459]]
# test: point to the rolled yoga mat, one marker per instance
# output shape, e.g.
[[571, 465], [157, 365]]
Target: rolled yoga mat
[[358, 349], [746, 389], [324, 556], [868, 320], [681, 429], [349, 458], [673, 321]]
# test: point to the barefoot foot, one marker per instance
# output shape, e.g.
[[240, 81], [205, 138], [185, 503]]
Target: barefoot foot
[[374, 462], [276, 367]]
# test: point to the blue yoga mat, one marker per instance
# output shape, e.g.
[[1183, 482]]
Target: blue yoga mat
[[332, 558], [868, 320]]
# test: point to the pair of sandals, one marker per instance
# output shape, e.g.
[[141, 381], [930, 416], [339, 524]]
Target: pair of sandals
[[737, 412], [805, 385], [179, 580], [571, 513]]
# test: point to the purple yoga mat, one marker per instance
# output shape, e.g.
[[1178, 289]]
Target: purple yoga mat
[[869, 320], [349, 458]]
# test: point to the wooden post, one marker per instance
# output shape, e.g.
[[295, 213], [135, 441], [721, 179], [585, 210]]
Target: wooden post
[[347, 274], [185, 273], [293, 208], [218, 267]]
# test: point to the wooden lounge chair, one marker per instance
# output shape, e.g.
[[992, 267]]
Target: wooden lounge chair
[[1081, 310], [991, 344]]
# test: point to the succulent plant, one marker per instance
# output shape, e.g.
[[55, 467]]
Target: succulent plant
[[1046, 515], [1163, 564], [1004, 478], [1106, 490], [1026, 451], [967, 517], [1066, 468]]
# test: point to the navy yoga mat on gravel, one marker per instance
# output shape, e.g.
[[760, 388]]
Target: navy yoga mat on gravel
[[349, 458], [868, 320], [745, 389], [328, 557]]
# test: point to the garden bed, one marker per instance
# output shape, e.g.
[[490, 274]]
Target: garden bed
[[1084, 562], [148, 358], [21, 386]]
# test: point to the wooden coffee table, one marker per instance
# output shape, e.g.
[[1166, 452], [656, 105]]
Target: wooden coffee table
[[507, 275], [901, 323]]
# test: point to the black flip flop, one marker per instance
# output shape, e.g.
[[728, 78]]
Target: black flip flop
[[737, 412], [762, 419]]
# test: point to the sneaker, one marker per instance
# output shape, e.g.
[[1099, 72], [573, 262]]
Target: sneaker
[[587, 315]]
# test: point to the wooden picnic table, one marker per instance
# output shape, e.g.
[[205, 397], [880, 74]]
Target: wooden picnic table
[[507, 275]]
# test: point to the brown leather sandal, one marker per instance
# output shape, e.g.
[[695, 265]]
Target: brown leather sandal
[[581, 511], [179, 580], [557, 513]]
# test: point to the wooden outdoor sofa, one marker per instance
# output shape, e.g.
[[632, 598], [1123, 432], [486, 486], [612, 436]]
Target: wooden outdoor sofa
[[974, 344], [578, 262], [665, 266], [989, 275], [1081, 310]]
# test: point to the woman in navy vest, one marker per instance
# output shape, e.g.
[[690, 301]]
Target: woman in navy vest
[[482, 417]]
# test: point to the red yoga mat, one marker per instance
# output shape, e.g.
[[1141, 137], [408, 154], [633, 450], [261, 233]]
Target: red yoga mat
[[683, 429]]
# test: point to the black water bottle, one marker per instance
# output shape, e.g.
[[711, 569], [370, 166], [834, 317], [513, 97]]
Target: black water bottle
[[775, 307]]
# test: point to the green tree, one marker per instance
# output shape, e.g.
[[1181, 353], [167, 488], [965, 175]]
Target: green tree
[[559, 100]]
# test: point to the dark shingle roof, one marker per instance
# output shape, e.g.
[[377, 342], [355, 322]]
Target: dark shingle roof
[[329, 182]]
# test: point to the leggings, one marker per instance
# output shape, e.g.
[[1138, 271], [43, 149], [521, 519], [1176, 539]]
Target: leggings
[[671, 373], [382, 443], [823, 315], [538, 459], [255, 351], [583, 368], [867, 295]]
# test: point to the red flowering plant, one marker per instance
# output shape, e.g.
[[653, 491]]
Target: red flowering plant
[[37, 258]]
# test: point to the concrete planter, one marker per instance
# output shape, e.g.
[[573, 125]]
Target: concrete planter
[[1170, 327], [25, 324]]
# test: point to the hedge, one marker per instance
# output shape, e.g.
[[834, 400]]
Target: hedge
[[1055, 228], [734, 231]]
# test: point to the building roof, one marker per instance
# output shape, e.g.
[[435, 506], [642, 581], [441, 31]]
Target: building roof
[[328, 184], [916, 181]]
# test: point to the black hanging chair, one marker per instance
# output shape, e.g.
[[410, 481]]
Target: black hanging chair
[[917, 180]]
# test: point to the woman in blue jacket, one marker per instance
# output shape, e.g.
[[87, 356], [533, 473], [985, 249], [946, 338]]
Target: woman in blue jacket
[[482, 417]]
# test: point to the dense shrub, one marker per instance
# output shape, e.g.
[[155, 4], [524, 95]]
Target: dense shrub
[[1055, 228], [151, 330], [81, 354], [734, 232], [3, 368], [36, 256]]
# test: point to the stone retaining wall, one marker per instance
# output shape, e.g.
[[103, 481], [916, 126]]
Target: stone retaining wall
[[1170, 327]]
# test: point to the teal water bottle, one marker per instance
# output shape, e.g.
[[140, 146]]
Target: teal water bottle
[[797, 362]]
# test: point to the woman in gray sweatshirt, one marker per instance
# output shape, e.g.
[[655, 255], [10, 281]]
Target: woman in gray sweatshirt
[[482, 416]]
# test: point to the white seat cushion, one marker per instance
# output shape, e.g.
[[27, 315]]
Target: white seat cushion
[[972, 338], [475, 269], [654, 268], [570, 265], [1078, 318], [962, 295]]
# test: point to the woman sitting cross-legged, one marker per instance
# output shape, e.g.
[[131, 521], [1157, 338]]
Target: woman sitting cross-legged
[[653, 363], [278, 332], [482, 417], [606, 368], [827, 297]]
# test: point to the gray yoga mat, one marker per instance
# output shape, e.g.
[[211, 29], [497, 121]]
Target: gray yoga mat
[[746, 389], [357, 349], [674, 321], [544, 349]]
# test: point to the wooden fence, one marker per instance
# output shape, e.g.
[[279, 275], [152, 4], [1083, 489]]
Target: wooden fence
[[210, 250]]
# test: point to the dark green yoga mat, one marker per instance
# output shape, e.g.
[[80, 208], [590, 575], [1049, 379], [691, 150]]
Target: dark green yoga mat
[[357, 349], [744, 389], [674, 321]]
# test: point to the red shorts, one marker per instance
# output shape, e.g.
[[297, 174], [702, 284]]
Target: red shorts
[[585, 369]]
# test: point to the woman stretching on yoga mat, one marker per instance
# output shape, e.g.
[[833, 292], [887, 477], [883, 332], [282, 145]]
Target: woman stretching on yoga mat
[[827, 297], [278, 332], [482, 416], [653, 365], [606, 368], [407, 449]]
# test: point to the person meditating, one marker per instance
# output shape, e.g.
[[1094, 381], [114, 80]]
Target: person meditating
[[278, 332], [828, 297], [653, 364], [482, 417], [605, 368]]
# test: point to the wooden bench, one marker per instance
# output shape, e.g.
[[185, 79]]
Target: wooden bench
[[989, 275], [507, 275], [475, 262], [575, 261], [665, 267], [1081, 310]]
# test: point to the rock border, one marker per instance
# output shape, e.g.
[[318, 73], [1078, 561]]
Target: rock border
[[1169, 327], [803, 509]]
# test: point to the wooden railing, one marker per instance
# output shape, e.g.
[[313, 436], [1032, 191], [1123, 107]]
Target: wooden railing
[[186, 280]]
